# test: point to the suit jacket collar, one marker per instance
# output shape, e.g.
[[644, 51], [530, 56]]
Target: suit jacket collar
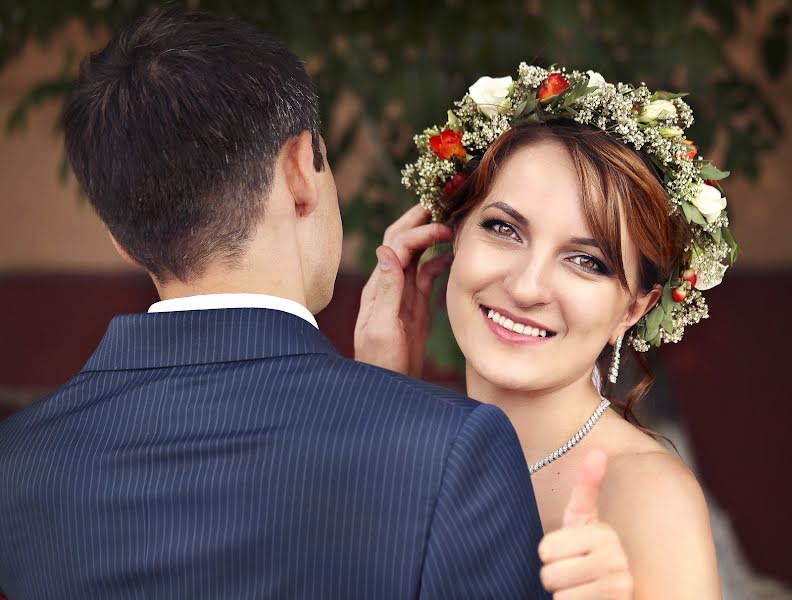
[[144, 341]]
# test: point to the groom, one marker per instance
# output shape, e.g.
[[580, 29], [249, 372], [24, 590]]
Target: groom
[[219, 447]]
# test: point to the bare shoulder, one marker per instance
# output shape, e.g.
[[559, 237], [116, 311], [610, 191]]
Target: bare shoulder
[[657, 507], [653, 482]]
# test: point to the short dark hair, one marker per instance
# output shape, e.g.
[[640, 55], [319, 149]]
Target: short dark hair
[[173, 130]]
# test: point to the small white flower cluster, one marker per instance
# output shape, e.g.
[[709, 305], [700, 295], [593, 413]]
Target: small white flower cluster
[[653, 123], [689, 312]]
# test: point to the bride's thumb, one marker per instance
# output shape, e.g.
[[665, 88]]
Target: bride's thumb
[[390, 285], [584, 499]]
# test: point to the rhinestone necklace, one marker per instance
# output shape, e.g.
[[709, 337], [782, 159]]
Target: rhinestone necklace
[[582, 432]]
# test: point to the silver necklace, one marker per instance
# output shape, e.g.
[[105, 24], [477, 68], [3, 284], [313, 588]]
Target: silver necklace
[[582, 432]]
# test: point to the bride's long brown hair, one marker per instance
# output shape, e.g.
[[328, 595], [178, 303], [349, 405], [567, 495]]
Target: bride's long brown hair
[[619, 188]]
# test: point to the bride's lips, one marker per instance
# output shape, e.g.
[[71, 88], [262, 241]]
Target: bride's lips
[[513, 336]]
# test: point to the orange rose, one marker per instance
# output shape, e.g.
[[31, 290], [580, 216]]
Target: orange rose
[[447, 144], [552, 86], [692, 150]]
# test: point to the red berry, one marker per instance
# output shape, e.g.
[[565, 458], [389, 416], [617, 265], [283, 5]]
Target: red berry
[[679, 294], [453, 184], [689, 275]]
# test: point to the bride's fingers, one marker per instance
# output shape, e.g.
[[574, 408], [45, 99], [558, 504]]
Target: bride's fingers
[[376, 341], [367, 296], [411, 243], [417, 215], [576, 541], [569, 573], [430, 270], [616, 586]]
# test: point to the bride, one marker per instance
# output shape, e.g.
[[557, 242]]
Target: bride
[[583, 226]]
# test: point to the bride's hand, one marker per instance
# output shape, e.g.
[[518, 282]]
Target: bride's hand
[[585, 558], [394, 316]]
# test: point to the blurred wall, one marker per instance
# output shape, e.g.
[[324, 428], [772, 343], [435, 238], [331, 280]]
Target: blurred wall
[[45, 226]]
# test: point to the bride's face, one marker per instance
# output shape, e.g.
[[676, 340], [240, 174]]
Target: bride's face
[[526, 253]]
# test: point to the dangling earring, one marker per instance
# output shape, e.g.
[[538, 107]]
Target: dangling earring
[[614, 368]]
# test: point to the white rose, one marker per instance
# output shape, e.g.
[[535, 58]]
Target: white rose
[[709, 278], [709, 202], [658, 109], [595, 79], [489, 94]]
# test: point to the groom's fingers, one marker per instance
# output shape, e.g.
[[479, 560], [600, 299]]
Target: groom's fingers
[[582, 506], [417, 215]]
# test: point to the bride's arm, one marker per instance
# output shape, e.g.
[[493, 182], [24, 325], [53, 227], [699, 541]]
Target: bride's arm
[[658, 509]]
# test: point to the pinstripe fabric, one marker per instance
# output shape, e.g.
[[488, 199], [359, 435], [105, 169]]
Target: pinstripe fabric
[[234, 454]]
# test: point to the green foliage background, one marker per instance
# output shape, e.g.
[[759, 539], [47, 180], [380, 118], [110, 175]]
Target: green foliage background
[[407, 61]]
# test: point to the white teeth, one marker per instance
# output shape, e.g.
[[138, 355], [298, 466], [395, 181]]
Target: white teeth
[[516, 327]]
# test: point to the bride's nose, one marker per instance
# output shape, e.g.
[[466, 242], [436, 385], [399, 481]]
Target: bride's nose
[[529, 280]]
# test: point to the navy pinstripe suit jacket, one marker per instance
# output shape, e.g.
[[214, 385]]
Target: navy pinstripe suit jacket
[[234, 454]]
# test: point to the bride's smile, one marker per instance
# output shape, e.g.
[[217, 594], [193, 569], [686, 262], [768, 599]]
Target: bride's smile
[[531, 297]]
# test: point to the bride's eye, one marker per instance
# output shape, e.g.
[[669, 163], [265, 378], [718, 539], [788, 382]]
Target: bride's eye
[[589, 264], [500, 228]]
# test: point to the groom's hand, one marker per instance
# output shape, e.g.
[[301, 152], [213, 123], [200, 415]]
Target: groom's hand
[[585, 558], [395, 315]]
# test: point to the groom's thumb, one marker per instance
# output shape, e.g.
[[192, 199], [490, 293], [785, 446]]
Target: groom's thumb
[[582, 506]]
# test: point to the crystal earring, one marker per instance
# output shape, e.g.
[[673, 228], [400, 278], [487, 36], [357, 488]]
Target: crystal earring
[[614, 368]]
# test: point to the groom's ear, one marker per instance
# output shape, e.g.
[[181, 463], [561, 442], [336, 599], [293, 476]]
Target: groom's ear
[[300, 174], [124, 254]]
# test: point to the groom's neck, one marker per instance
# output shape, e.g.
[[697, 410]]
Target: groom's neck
[[223, 280]]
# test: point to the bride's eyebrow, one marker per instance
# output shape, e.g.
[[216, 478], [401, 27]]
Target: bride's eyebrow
[[586, 242], [509, 211]]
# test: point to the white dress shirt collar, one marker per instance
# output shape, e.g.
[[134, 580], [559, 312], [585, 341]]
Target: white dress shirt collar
[[219, 301]]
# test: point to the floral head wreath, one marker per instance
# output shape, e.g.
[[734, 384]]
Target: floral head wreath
[[653, 123]]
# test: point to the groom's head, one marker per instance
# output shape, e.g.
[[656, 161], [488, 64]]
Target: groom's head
[[190, 133]]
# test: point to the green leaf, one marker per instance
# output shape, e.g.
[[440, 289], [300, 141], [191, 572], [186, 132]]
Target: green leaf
[[653, 321], [573, 93], [666, 301], [660, 95], [641, 331], [692, 214], [668, 324], [734, 248], [712, 173], [716, 235]]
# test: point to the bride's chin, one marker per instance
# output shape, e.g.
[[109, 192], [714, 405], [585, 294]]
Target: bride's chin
[[502, 376]]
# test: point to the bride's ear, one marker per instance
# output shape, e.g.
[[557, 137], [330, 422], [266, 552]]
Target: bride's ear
[[642, 304]]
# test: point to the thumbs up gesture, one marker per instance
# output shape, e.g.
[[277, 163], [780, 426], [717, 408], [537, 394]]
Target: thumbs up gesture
[[585, 558]]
